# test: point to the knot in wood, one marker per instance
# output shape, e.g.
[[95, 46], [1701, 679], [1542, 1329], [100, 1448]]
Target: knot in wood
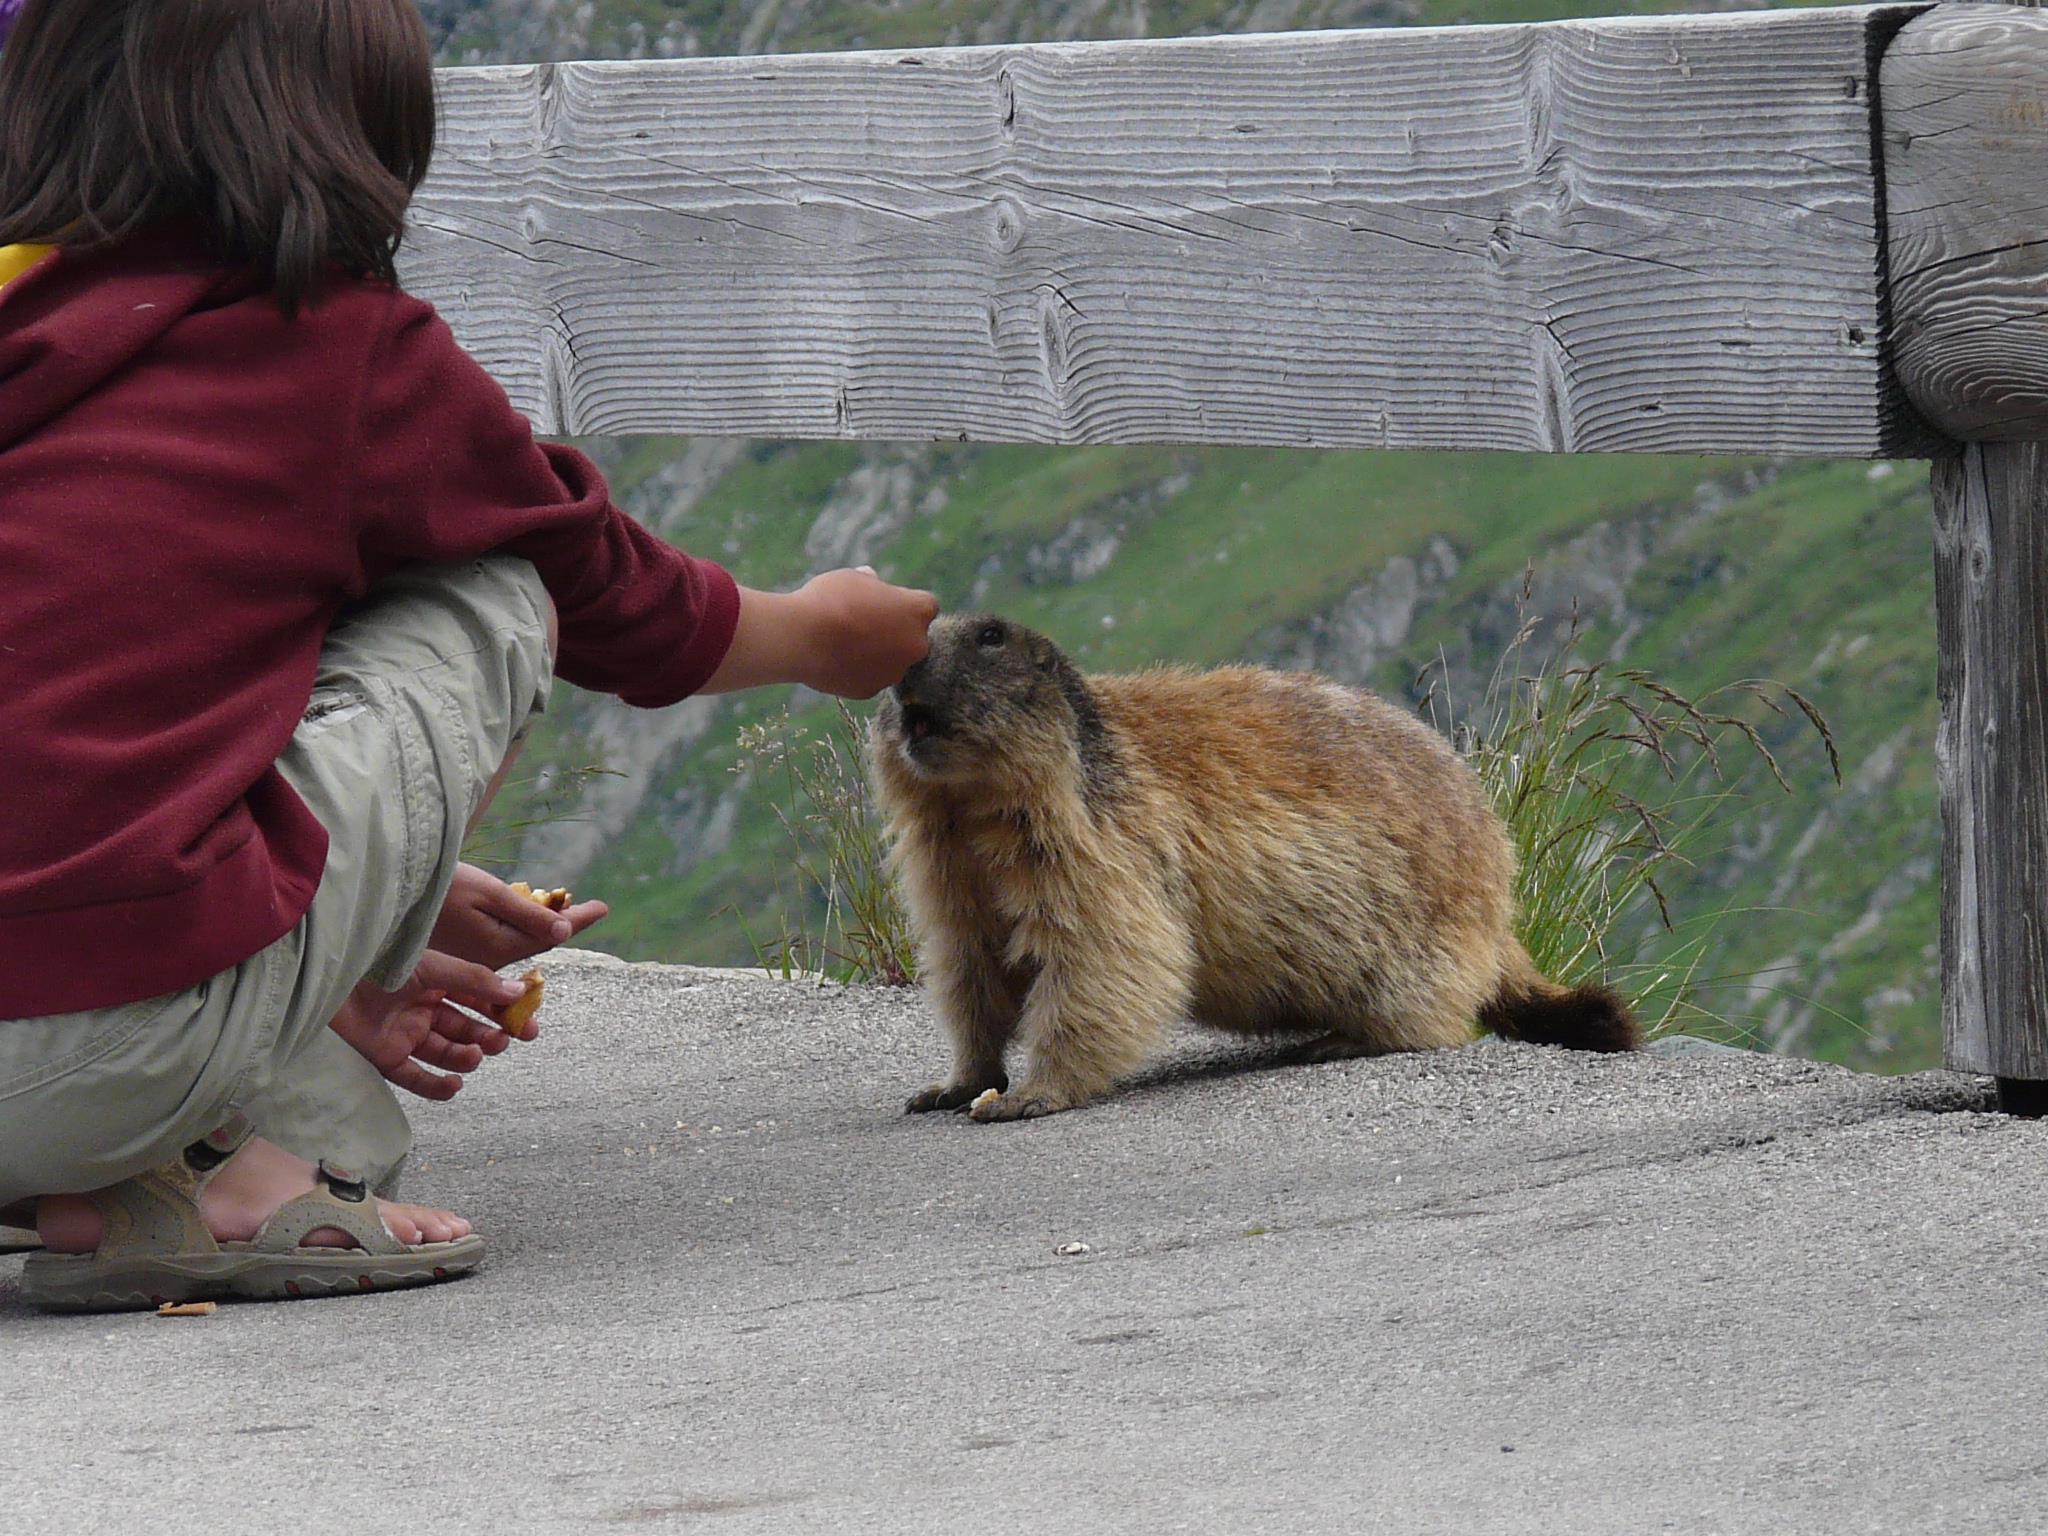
[[1006, 224]]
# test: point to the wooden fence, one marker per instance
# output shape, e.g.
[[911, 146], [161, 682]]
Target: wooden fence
[[1817, 233]]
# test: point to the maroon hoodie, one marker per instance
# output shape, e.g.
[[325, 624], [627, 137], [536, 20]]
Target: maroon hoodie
[[192, 488]]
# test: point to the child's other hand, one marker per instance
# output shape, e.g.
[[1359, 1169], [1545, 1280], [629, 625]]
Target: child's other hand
[[865, 633], [484, 920], [417, 1038]]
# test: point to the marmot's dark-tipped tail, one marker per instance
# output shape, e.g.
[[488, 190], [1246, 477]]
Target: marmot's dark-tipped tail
[[1531, 1007]]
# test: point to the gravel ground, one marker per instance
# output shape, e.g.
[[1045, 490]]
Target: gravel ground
[[731, 1288]]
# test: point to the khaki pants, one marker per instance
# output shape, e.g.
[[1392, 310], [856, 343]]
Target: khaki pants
[[422, 690]]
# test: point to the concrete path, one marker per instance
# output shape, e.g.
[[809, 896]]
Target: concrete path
[[732, 1289]]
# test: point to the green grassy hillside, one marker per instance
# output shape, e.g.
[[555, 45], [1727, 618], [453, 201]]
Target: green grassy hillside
[[482, 31], [1364, 565]]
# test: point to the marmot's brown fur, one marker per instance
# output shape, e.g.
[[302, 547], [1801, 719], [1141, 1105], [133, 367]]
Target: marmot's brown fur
[[1088, 860]]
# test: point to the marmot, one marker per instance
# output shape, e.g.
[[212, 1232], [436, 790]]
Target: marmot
[[1088, 860]]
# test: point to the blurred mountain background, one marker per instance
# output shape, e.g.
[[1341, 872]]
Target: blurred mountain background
[[1366, 566]]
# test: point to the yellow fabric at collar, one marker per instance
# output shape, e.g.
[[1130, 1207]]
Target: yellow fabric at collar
[[17, 259]]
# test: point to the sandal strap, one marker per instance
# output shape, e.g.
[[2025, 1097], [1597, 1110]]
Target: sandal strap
[[153, 1213], [339, 1201], [158, 1211]]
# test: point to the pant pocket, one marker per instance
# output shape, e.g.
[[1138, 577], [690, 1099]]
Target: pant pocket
[[89, 1099], [38, 1051]]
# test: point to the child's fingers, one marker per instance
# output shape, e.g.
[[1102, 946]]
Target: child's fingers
[[416, 1079], [470, 984], [437, 1050], [524, 915], [583, 914], [467, 1029]]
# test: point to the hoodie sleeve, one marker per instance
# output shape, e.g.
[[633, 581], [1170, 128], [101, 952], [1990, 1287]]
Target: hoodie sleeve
[[448, 470]]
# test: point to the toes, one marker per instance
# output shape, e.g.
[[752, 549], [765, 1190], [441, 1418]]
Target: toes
[[410, 1224], [448, 1228], [425, 1224], [400, 1223]]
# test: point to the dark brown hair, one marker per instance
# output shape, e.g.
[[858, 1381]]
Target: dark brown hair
[[294, 130]]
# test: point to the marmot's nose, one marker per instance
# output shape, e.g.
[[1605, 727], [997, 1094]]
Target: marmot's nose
[[906, 690]]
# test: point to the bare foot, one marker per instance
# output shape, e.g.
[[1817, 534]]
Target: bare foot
[[244, 1194]]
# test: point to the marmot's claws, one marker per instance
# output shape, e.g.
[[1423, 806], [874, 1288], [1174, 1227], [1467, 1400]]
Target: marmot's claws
[[950, 1095], [1011, 1107]]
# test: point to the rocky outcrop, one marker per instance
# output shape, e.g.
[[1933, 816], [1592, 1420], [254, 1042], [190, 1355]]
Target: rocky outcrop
[[1367, 627], [871, 506], [634, 746]]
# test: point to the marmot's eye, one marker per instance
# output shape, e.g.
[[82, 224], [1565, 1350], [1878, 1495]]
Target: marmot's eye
[[991, 635]]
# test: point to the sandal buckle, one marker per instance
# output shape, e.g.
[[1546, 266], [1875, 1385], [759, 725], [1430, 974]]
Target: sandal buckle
[[343, 1184], [218, 1145]]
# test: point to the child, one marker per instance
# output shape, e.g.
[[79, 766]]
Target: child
[[285, 576]]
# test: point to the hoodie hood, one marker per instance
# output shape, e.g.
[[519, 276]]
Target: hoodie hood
[[77, 318]]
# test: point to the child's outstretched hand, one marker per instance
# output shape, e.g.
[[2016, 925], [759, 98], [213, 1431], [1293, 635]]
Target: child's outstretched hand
[[870, 633], [846, 632]]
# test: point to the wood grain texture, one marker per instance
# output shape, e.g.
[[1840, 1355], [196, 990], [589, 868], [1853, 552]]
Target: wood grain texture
[[1991, 758], [1641, 234], [1965, 102]]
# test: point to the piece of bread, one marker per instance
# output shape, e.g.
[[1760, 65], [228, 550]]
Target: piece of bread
[[516, 1017], [556, 900]]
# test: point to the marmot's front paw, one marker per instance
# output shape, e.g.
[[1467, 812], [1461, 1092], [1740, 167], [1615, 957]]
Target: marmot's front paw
[[950, 1095], [1021, 1105]]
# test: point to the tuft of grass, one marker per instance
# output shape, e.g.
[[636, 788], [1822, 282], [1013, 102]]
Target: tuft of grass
[[835, 833], [525, 803], [1608, 779]]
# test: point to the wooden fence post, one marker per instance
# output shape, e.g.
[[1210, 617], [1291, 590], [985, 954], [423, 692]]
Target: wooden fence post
[[1991, 759], [1964, 98]]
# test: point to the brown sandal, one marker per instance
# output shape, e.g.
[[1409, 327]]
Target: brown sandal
[[155, 1248]]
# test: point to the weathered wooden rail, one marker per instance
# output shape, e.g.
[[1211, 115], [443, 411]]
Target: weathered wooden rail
[[1818, 233]]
